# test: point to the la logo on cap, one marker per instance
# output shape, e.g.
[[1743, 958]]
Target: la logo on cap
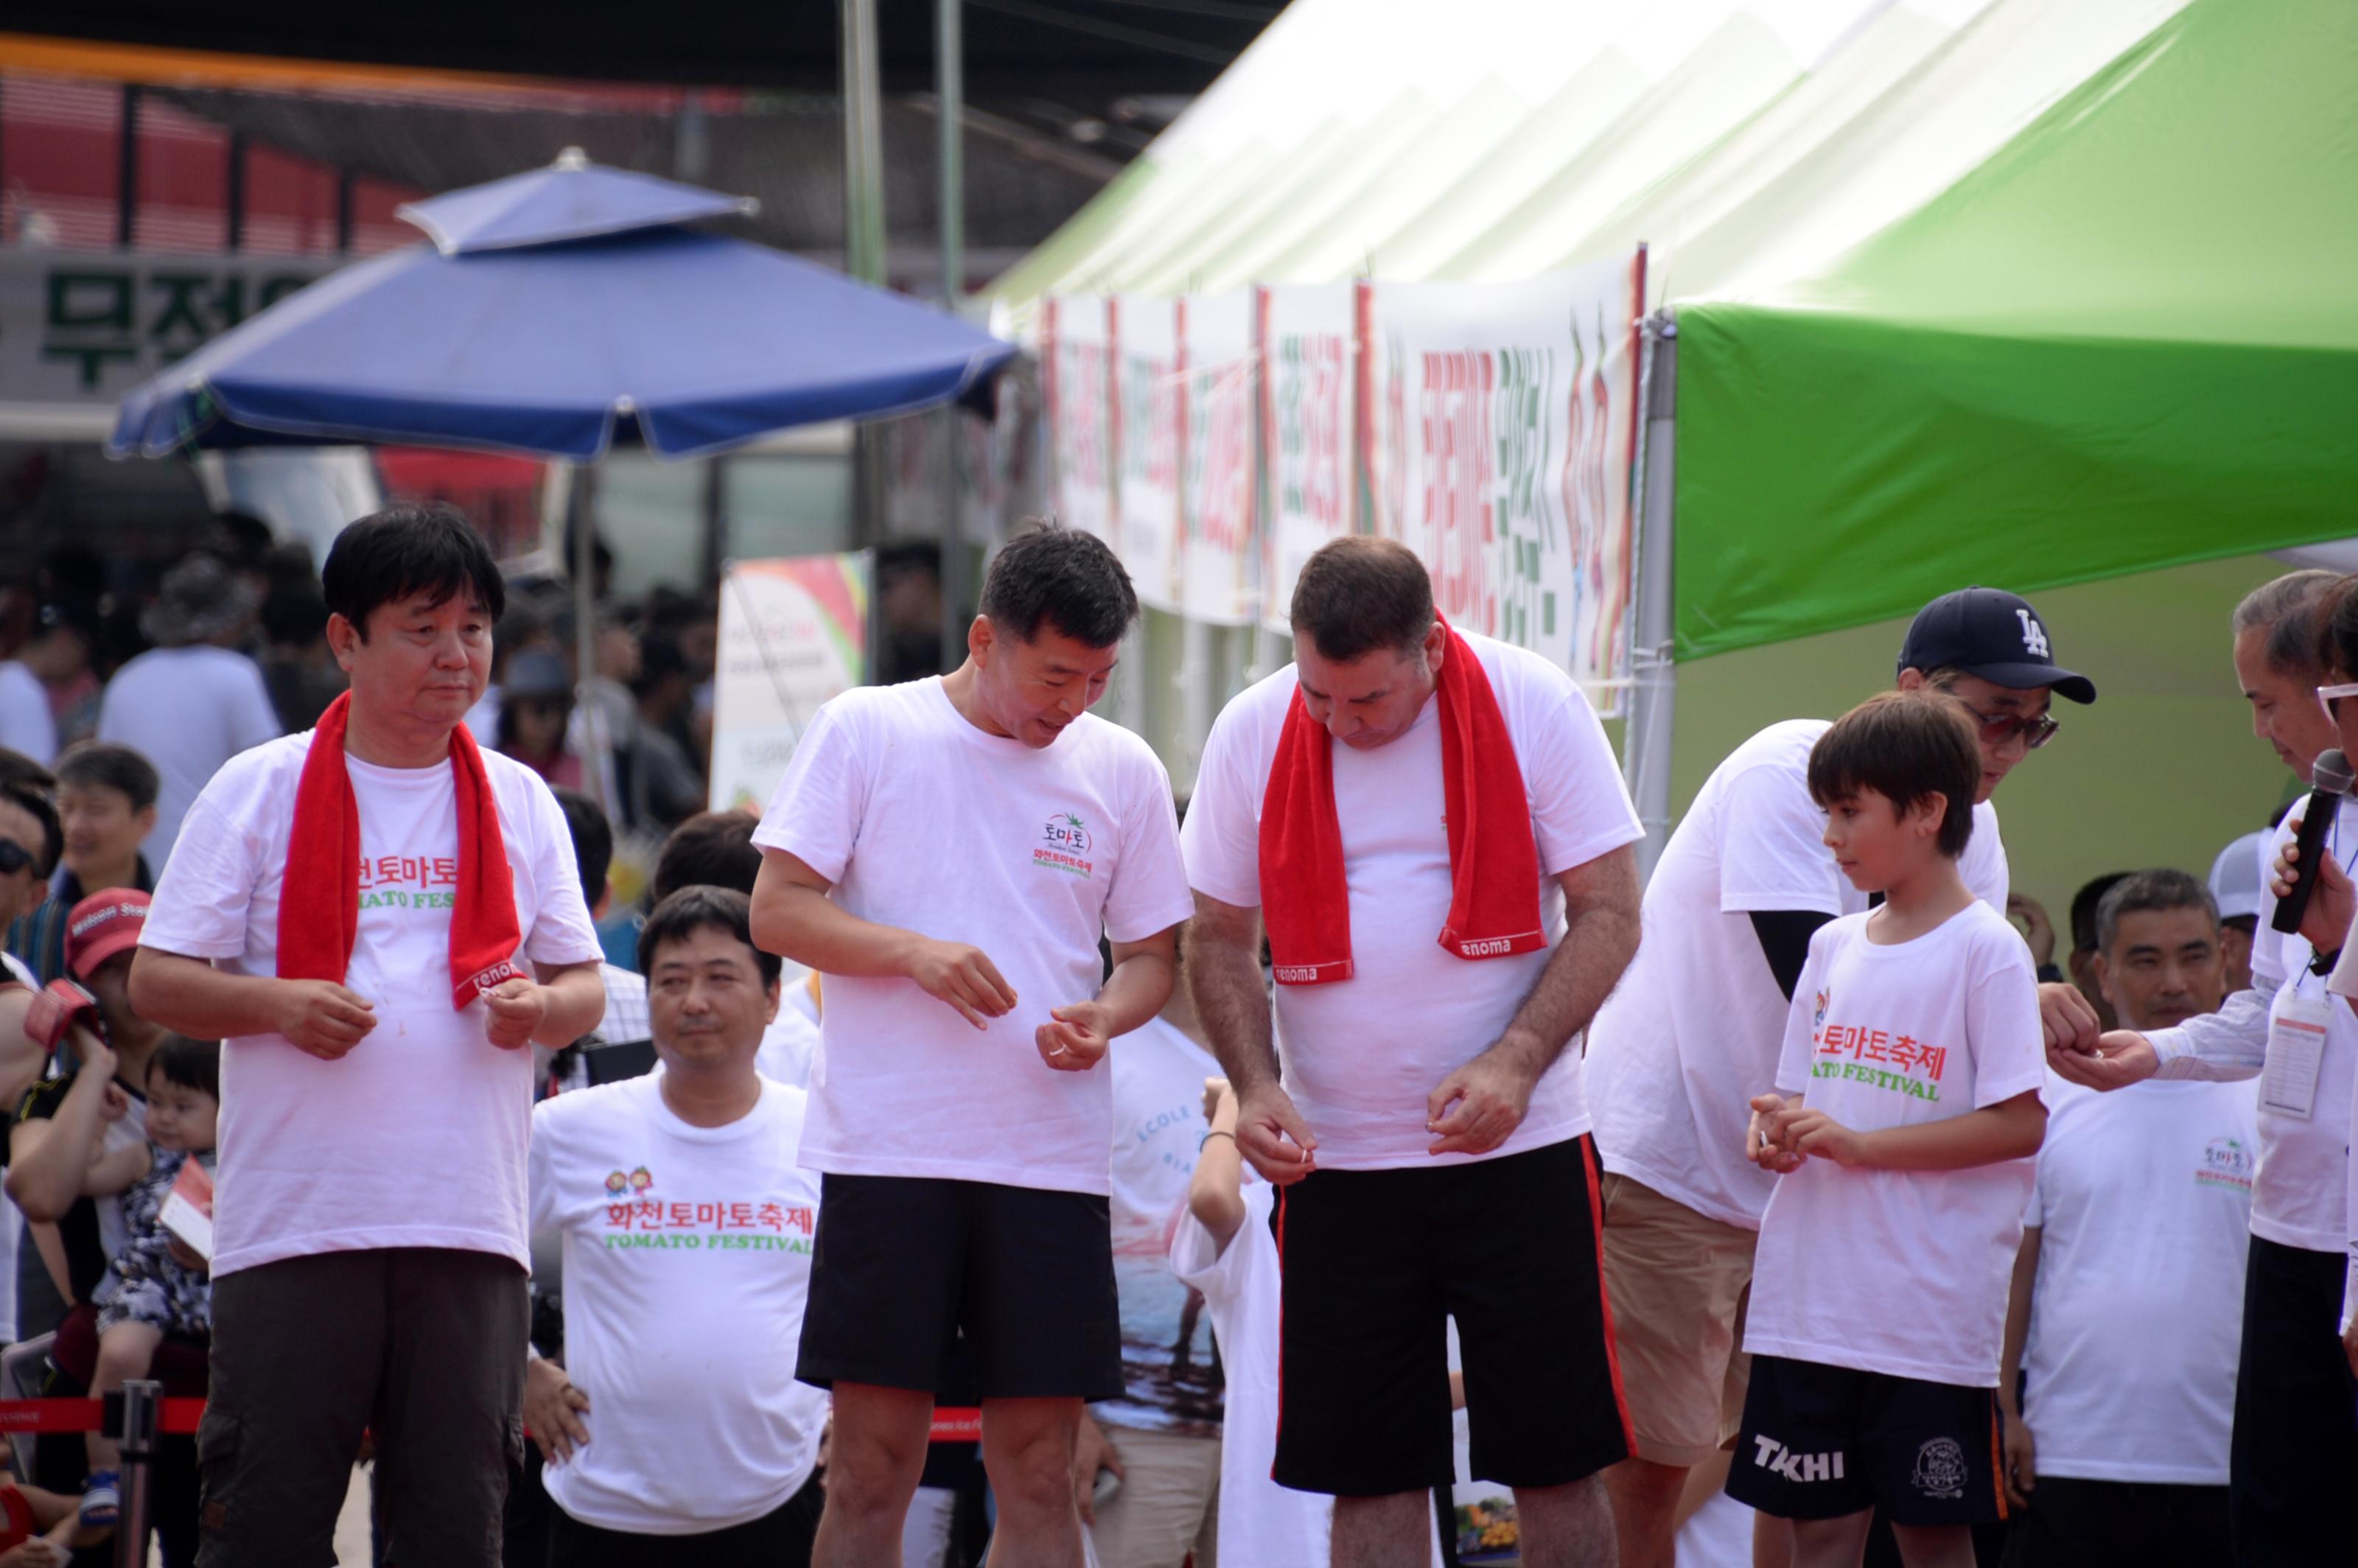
[[2034, 637]]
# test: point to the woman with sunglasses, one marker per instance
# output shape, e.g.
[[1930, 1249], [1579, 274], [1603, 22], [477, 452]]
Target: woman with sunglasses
[[2295, 1445], [30, 842]]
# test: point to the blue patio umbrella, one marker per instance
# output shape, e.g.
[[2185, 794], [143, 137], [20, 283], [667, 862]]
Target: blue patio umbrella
[[558, 312]]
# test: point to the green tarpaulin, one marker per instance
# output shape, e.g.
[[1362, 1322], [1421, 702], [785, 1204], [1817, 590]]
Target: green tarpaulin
[[2127, 340]]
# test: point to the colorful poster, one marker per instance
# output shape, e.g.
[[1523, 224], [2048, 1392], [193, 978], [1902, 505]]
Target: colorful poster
[[1305, 337], [1146, 445], [1218, 554], [1076, 373], [1500, 427], [794, 633]]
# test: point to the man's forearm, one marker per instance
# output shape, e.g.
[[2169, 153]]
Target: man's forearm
[[1140, 983], [577, 1004], [1597, 945], [1224, 977], [2017, 1317], [190, 997], [2228, 1044], [804, 924]]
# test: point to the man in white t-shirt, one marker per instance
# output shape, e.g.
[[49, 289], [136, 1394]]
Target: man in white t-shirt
[[686, 1225], [2295, 1445], [26, 726], [1729, 912], [948, 853], [192, 702], [2119, 1451], [375, 918], [1433, 831]]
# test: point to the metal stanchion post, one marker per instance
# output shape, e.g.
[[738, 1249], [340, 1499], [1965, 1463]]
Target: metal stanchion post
[[143, 1399]]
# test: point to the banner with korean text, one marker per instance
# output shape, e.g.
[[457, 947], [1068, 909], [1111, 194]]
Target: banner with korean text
[[1147, 439], [794, 633], [1500, 425], [1076, 384], [1218, 555], [1303, 334], [88, 326]]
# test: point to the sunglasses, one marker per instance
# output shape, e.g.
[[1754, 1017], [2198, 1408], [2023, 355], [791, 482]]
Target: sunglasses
[[14, 857], [2329, 697], [1997, 729]]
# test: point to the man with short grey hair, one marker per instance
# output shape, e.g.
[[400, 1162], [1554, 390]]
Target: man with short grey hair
[[2293, 1446]]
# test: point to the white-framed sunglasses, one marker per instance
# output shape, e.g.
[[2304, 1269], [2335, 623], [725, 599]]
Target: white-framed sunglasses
[[2330, 697]]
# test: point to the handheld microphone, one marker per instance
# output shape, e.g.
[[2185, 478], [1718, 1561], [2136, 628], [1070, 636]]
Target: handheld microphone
[[2329, 780]]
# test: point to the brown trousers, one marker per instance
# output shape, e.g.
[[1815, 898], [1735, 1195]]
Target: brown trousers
[[422, 1347]]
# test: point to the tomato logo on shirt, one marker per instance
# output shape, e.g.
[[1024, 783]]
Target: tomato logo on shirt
[[2226, 1163], [1065, 846]]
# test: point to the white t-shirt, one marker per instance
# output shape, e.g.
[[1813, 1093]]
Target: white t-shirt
[[923, 821], [416, 1137], [2143, 1198], [1904, 1272], [1158, 1120], [188, 710], [1361, 1056], [688, 1259], [790, 1046], [1697, 1021], [1261, 1522], [27, 724], [2300, 1197]]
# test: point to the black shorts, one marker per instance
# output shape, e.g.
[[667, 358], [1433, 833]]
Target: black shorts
[[2295, 1451], [779, 1539], [1374, 1262], [1822, 1442], [902, 1265]]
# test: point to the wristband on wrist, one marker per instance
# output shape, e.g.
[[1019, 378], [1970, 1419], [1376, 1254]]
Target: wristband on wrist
[[2321, 964], [1216, 1132]]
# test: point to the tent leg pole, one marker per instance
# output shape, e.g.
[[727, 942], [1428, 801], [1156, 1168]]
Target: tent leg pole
[[1646, 748]]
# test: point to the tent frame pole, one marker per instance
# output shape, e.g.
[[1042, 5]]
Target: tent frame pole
[[1646, 747]]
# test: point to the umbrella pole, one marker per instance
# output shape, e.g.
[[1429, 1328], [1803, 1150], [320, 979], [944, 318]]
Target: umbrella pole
[[585, 653]]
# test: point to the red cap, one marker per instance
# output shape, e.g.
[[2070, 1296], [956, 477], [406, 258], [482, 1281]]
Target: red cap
[[102, 926]]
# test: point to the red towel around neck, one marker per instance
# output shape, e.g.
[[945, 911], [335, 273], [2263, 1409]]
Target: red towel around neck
[[1494, 861], [320, 910]]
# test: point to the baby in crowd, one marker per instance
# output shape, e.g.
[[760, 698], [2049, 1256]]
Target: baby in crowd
[[1903, 1125], [156, 1284]]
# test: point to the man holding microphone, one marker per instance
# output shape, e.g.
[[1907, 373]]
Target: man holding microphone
[[2295, 1445]]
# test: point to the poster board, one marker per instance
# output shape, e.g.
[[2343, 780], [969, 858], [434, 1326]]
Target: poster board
[[794, 633]]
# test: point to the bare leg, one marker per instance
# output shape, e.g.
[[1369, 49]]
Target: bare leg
[[1705, 1482], [874, 1462], [1569, 1526], [1772, 1541], [1393, 1531], [125, 1351], [1645, 1498], [1936, 1546], [1027, 1450], [1830, 1542]]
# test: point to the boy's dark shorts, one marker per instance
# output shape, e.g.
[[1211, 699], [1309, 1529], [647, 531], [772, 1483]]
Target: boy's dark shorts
[[1822, 1442], [900, 1265], [1375, 1263]]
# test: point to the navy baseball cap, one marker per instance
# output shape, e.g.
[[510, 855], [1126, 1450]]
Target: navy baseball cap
[[1991, 633]]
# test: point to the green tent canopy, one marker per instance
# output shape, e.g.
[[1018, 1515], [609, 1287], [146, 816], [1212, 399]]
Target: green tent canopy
[[2127, 340]]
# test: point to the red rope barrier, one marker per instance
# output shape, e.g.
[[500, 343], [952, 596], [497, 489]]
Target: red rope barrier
[[178, 1416]]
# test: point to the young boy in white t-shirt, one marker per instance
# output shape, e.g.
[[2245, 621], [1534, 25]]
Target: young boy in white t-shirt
[[1903, 1130]]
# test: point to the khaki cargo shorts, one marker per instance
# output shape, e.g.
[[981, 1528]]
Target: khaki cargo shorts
[[1678, 1282]]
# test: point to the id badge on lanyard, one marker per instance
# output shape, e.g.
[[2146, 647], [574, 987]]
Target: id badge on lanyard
[[2297, 1027]]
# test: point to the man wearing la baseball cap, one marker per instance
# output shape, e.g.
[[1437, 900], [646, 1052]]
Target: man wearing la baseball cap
[[1727, 919]]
